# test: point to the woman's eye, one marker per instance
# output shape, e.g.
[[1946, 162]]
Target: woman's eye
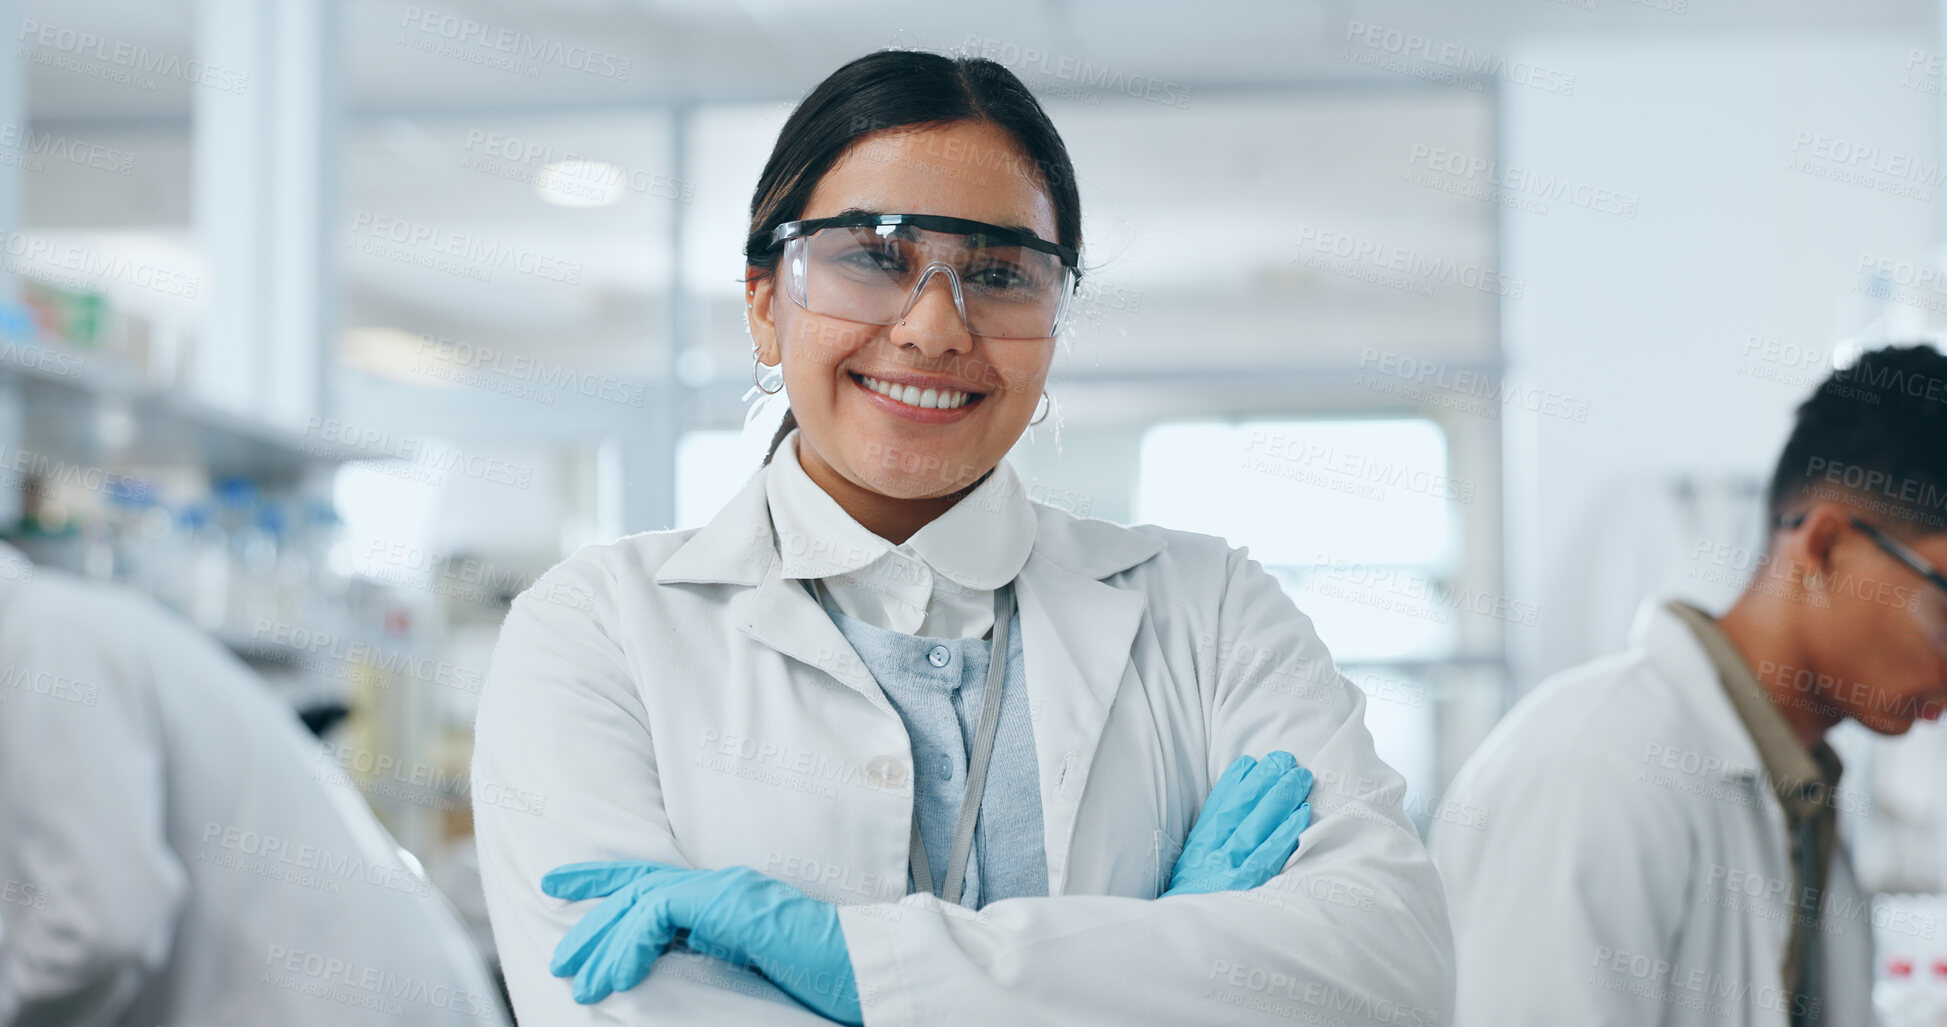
[[1001, 277], [884, 258]]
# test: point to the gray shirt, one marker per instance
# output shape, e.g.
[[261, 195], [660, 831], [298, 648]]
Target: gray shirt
[[936, 685]]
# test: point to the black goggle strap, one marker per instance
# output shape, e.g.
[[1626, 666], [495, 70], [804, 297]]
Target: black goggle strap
[[984, 233]]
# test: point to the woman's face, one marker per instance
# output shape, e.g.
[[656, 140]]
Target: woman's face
[[964, 169]]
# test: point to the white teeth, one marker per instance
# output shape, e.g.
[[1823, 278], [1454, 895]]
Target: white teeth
[[911, 395]]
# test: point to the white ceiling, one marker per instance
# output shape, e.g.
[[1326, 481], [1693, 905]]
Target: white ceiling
[[712, 50], [1192, 210]]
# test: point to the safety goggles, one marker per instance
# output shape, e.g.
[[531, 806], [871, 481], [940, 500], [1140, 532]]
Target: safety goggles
[[871, 268], [1931, 610]]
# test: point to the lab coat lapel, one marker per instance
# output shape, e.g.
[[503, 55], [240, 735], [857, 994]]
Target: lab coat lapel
[[1673, 648], [739, 547], [1076, 636], [782, 615]]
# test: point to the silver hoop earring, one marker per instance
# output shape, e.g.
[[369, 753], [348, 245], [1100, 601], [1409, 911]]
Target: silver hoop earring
[[756, 377], [1041, 409]]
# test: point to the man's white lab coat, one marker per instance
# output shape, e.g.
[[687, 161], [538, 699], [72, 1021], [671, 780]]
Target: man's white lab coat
[[1632, 864]]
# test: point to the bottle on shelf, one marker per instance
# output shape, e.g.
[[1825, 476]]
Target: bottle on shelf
[[100, 543], [292, 576], [319, 540], [1895, 994], [1932, 1009], [253, 567], [155, 557], [112, 539], [205, 586]]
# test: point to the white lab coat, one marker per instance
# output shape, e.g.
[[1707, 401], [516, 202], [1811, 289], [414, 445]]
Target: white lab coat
[[670, 697], [172, 849], [1631, 865]]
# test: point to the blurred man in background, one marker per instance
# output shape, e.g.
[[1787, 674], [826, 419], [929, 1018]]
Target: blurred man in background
[[1661, 846], [168, 854]]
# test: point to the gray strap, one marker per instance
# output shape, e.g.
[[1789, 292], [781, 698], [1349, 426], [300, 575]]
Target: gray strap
[[916, 854], [1807, 988], [983, 747]]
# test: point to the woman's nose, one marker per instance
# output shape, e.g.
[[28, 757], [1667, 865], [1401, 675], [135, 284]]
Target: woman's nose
[[934, 324]]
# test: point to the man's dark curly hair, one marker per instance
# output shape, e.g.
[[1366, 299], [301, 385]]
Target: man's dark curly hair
[[1874, 436]]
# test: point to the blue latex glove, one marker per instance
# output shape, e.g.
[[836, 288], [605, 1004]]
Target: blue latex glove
[[1248, 827], [735, 914]]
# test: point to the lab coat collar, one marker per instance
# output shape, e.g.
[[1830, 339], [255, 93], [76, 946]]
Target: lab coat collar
[[979, 544], [739, 545], [984, 540], [1674, 650]]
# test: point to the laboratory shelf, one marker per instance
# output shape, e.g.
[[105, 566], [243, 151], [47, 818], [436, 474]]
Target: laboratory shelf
[[87, 408]]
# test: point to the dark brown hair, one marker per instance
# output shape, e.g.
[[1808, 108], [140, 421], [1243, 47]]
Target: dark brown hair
[[1874, 431], [891, 89]]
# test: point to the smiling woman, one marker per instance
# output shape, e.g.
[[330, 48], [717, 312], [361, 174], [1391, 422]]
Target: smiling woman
[[910, 132], [886, 741]]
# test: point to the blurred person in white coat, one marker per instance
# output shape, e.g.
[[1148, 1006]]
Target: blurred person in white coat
[[681, 697], [171, 851], [1660, 844]]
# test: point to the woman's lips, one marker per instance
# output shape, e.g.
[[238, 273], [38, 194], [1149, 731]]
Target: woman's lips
[[920, 413]]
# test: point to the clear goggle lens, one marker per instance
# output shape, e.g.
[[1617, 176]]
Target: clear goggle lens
[[874, 274]]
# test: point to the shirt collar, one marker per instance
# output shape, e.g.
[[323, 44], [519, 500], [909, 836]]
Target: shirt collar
[[816, 538], [1800, 778], [981, 542]]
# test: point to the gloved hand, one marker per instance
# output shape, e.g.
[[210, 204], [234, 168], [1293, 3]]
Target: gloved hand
[[736, 914], [1248, 827]]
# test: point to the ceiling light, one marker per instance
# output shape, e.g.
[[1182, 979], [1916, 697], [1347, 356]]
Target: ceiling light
[[580, 183], [400, 356]]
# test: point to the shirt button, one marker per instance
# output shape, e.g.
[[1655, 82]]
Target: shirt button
[[940, 656], [885, 772], [946, 767]]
